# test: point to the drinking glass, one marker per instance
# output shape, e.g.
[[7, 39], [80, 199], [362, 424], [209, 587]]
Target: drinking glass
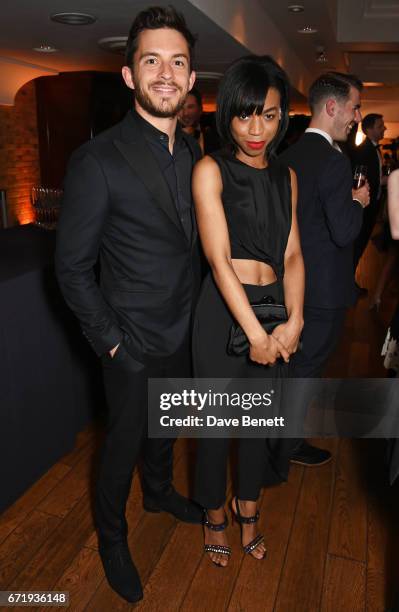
[[359, 177]]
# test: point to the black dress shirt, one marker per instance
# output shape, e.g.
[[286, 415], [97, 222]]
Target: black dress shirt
[[176, 168]]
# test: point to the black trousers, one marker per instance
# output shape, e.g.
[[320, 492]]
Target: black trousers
[[260, 461], [321, 332], [125, 382]]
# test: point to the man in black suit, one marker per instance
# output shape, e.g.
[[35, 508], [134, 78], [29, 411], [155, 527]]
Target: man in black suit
[[190, 118], [368, 154], [330, 216], [128, 203]]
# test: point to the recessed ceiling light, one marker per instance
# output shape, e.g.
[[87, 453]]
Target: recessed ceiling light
[[307, 30], [45, 49], [114, 44], [73, 18], [296, 8]]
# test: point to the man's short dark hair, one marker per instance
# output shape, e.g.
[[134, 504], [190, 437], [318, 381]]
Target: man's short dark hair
[[369, 121], [243, 89], [197, 95], [156, 18], [332, 85]]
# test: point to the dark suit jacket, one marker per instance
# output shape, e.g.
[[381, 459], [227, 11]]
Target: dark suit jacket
[[366, 155], [118, 207], [329, 220]]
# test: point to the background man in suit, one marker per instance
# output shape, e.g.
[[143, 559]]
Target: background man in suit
[[368, 154], [329, 217], [190, 118], [190, 115], [128, 202]]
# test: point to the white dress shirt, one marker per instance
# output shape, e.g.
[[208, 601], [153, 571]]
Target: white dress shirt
[[326, 136], [322, 133]]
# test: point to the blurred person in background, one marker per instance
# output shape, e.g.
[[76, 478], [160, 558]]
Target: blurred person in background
[[368, 154], [193, 122], [330, 214]]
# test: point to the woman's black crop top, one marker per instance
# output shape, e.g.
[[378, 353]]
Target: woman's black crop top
[[257, 205]]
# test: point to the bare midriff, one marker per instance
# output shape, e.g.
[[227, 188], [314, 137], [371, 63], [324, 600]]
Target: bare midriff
[[251, 272]]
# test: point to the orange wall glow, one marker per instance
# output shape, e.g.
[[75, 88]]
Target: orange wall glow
[[19, 154]]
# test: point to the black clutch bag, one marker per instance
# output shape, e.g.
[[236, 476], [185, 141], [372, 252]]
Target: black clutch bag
[[269, 315]]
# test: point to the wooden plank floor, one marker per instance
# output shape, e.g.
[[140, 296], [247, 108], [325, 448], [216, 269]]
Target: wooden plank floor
[[331, 532]]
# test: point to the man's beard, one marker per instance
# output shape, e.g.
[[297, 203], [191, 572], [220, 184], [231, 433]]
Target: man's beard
[[166, 107]]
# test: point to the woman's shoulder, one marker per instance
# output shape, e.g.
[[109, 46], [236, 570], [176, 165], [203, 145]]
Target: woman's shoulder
[[206, 164], [222, 156], [207, 174], [214, 163], [393, 178]]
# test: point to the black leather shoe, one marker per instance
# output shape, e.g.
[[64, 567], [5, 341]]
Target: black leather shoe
[[182, 508], [121, 572], [310, 456]]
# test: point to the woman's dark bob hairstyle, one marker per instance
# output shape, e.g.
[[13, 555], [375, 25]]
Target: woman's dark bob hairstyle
[[244, 88]]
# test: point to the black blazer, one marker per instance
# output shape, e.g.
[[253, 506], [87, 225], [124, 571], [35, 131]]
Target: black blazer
[[366, 155], [329, 220], [118, 207]]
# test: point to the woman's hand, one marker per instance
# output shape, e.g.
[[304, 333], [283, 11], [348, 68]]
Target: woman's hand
[[266, 350], [287, 335]]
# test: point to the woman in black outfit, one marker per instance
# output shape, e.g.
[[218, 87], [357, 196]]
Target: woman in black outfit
[[246, 212]]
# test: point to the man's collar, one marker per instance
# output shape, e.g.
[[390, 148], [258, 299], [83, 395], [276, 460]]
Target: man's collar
[[152, 133], [321, 133]]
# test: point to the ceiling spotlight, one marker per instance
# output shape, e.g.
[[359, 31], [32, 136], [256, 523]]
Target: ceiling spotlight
[[296, 8], [73, 18], [45, 49], [114, 44], [307, 30]]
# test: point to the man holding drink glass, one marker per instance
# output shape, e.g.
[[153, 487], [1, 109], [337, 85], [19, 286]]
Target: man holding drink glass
[[369, 156], [330, 214]]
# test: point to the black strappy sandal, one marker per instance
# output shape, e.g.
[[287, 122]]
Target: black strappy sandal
[[216, 548], [248, 520]]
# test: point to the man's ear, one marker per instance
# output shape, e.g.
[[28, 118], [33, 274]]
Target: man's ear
[[331, 105], [128, 76]]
